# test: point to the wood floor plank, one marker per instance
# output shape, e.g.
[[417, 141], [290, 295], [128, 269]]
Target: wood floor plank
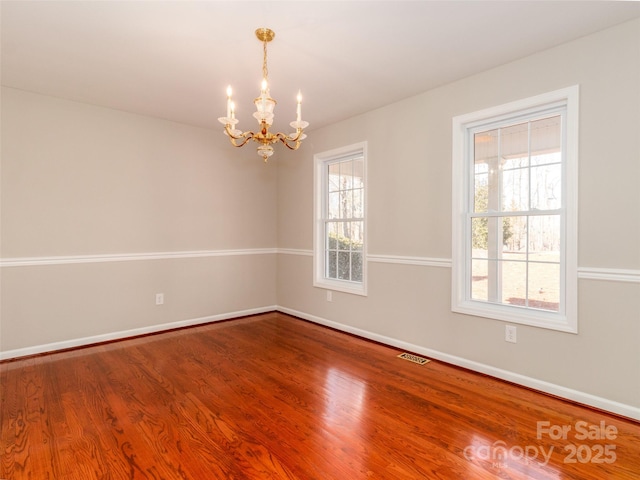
[[274, 397]]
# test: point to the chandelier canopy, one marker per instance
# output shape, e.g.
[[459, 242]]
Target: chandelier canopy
[[264, 114]]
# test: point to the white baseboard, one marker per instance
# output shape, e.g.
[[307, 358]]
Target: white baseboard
[[107, 337], [534, 383]]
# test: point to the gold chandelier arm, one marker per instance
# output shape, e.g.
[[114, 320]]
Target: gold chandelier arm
[[290, 143], [245, 137], [244, 141]]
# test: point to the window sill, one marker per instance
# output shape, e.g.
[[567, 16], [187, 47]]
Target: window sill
[[342, 286], [519, 315]]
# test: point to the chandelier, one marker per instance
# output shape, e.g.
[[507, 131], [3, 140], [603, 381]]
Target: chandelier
[[264, 114]]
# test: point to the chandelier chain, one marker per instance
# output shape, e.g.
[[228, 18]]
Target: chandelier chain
[[265, 71]]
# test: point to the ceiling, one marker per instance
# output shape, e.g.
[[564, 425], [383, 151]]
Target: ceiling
[[174, 59]]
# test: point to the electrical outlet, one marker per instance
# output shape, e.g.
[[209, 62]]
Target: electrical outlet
[[329, 296], [159, 298], [510, 333]]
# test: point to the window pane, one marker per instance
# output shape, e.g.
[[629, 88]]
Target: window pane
[[332, 265], [514, 283], [479, 269], [514, 232], [485, 156], [356, 267], [346, 174], [544, 286], [514, 163], [479, 237], [357, 235], [546, 158], [481, 168], [332, 235], [334, 205], [544, 238], [344, 208], [334, 177], [494, 239], [514, 145], [485, 147], [515, 190], [358, 173], [344, 266], [344, 236], [545, 187], [481, 195], [546, 136], [358, 203]]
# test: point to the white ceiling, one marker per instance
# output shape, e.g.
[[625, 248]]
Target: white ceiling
[[174, 59]]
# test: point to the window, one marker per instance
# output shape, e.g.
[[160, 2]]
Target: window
[[340, 222], [515, 212]]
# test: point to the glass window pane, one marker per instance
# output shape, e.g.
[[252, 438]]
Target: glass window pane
[[346, 174], [515, 190], [546, 136], [544, 238], [494, 238], [514, 238], [357, 235], [356, 267], [358, 203], [344, 266], [546, 187], [332, 265], [344, 236], [546, 158], [514, 144], [544, 286], [334, 205], [481, 168], [332, 235], [479, 283], [485, 147], [479, 237], [514, 282], [344, 204], [481, 194], [358, 173], [514, 163], [334, 177]]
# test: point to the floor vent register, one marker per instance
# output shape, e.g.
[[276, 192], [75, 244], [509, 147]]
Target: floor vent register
[[413, 358]]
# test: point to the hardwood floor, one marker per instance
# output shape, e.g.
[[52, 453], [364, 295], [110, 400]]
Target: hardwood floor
[[274, 397]]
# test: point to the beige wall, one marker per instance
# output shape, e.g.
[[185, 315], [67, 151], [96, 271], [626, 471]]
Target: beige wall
[[85, 183], [409, 214]]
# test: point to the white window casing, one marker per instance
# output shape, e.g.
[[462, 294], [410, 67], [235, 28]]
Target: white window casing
[[560, 104], [340, 260]]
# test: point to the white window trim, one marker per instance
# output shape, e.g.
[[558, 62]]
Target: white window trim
[[319, 279], [567, 321]]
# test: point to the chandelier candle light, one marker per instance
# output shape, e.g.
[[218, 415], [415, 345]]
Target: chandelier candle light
[[264, 114]]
